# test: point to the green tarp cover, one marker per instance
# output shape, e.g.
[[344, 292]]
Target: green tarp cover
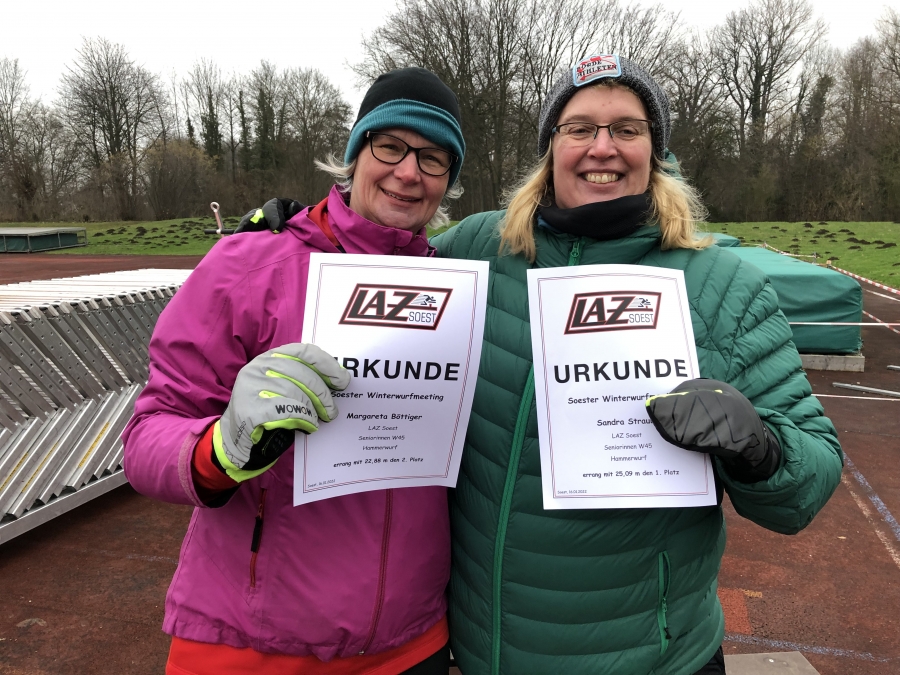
[[725, 240], [47, 242], [808, 292], [15, 244], [30, 239]]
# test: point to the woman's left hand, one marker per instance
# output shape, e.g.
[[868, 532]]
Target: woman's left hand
[[270, 216], [714, 417]]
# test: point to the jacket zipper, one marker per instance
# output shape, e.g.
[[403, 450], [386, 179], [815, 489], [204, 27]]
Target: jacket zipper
[[575, 253], [379, 598], [257, 536], [512, 472], [663, 605]]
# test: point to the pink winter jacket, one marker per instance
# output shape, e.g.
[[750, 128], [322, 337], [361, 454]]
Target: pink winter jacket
[[340, 577]]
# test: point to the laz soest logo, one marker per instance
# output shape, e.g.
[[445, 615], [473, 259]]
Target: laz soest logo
[[397, 306], [613, 310]]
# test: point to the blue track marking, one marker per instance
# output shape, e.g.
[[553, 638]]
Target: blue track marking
[[809, 649], [874, 498]]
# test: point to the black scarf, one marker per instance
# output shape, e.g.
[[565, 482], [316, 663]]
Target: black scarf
[[601, 220]]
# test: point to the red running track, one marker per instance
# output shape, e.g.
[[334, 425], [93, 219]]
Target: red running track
[[84, 593]]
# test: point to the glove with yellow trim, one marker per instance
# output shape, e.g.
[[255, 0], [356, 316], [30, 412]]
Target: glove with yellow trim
[[281, 390], [270, 216], [714, 417]]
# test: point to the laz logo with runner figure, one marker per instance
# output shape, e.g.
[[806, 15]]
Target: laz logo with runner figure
[[613, 310], [397, 306]]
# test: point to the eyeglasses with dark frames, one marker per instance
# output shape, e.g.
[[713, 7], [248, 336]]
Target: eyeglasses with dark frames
[[392, 150], [582, 133]]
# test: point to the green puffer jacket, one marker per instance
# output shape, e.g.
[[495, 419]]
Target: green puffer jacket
[[629, 591]]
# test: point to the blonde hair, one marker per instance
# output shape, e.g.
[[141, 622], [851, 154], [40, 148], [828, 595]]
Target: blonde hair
[[675, 205], [343, 177]]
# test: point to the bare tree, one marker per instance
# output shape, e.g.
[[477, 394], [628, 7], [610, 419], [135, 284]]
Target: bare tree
[[500, 57], [231, 120], [55, 154], [17, 166], [113, 107], [643, 34], [317, 120], [267, 103], [768, 120], [888, 31], [888, 27], [759, 49], [555, 35], [702, 130], [859, 115], [205, 93], [176, 176]]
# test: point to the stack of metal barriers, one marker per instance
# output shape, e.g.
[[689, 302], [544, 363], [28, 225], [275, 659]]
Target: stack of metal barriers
[[73, 358]]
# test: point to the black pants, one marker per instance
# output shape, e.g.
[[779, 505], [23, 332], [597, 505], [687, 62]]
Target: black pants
[[436, 664], [716, 665], [439, 664]]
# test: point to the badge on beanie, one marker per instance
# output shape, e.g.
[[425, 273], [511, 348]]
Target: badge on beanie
[[595, 68]]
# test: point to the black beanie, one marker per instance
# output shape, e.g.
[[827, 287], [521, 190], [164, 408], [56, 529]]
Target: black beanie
[[412, 84]]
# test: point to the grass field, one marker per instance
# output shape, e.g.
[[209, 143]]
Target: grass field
[[164, 237], [869, 249]]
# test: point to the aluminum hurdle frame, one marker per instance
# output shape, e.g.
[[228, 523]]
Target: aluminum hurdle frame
[[73, 358]]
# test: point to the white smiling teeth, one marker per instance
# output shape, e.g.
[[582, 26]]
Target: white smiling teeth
[[402, 199], [601, 177]]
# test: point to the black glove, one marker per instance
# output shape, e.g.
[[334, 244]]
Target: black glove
[[272, 216], [714, 417]]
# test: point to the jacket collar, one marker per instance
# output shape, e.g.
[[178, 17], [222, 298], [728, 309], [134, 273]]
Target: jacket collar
[[607, 220], [357, 234], [554, 247]]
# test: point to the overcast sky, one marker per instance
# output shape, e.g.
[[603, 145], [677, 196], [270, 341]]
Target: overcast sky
[[168, 36]]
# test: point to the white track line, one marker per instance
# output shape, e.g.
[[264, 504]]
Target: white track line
[[785, 646], [889, 289], [892, 551], [890, 543], [883, 323], [882, 295], [862, 398], [880, 323]]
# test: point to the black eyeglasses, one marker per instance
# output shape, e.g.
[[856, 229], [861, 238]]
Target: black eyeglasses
[[392, 150], [582, 133]]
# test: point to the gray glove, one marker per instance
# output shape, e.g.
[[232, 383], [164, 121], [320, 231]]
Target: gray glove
[[281, 390], [714, 417]]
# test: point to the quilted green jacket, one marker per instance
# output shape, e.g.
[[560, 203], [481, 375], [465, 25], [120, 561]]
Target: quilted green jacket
[[629, 591]]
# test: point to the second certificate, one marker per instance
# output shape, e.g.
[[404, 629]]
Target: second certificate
[[606, 338]]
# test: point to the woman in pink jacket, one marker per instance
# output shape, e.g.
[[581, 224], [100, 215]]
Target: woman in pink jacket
[[351, 585]]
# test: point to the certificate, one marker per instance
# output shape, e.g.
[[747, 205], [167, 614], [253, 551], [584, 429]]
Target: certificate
[[605, 339], [409, 330]]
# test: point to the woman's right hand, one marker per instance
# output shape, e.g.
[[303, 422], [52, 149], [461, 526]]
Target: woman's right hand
[[281, 390]]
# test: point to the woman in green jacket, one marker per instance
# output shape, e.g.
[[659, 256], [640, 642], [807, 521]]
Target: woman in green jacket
[[627, 591]]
